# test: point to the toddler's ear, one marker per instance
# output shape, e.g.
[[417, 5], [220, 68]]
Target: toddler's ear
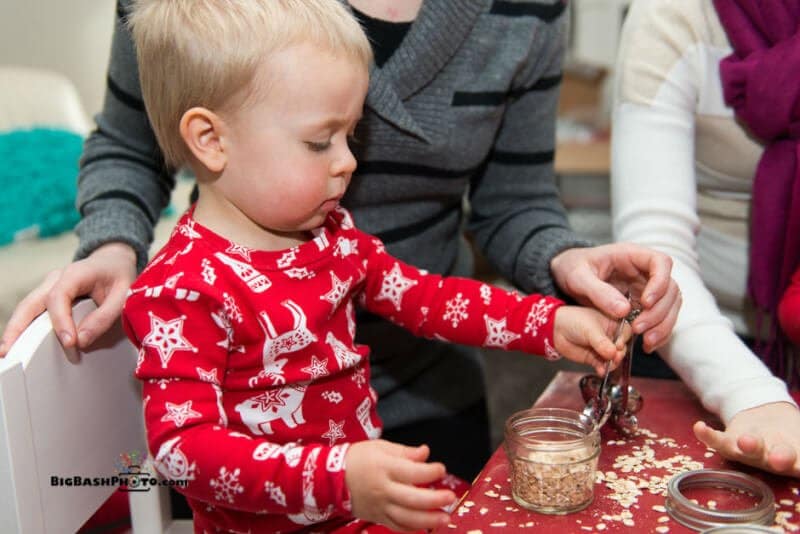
[[200, 129]]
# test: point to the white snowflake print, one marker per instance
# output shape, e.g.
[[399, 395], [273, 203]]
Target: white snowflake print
[[338, 291], [226, 485], [345, 247], [497, 335], [334, 397], [359, 377], [537, 317], [334, 432], [551, 353], [486, 294], [379, 246], [299, 273], [208, 272], [166, 337], [317, 369], [456, 310], [288, 258], [394, 285], [275, 493], [179, 413]]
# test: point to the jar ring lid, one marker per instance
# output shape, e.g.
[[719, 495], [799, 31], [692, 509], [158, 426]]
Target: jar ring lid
[[697, 517]]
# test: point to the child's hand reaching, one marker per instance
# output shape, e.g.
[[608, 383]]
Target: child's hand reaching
[[382, 478], [584, 335]]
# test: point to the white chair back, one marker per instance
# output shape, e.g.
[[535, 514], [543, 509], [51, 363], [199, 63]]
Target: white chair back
[[64, 419]]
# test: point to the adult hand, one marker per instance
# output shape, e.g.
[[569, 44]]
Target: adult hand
[[383, 477], [105, 276], [599, 276], [767, 437]]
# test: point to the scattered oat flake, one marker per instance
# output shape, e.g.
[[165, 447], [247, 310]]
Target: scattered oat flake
[[663, 519], [505, 498], [600, 526], [708, 454], [451, 525], [586, 528], [498, 524], [787, 502], [659, 508], [469, 504], [662, 529], [491, 493], [484, 511], [476, 531]]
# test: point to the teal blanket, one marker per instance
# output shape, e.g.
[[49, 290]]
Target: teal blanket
[[38, 180]]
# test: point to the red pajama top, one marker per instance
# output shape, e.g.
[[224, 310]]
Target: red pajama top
[[253, 385]]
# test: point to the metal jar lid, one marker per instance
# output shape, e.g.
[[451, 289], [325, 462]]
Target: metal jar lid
[[739, 529], [695, 516]]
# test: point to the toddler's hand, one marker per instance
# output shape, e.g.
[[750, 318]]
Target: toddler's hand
[[382, 479], [584, 335]]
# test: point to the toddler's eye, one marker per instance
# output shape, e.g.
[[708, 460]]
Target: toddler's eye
[[318, 147]]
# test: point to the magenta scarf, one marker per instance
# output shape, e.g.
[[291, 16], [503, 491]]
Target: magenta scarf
[[761, 81]]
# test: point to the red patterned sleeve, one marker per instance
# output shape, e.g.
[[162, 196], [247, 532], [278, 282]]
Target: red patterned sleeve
[[181, 363], [458, 310]]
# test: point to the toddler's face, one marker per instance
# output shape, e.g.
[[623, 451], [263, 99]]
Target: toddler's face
[[289, 161]]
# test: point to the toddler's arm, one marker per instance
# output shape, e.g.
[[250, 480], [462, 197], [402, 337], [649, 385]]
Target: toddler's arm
[[462, 310]]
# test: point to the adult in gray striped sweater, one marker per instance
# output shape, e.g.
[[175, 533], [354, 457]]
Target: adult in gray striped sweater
[[461, 105]]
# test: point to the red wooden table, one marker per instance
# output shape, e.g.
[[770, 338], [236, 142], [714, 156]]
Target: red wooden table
[[632, 474]]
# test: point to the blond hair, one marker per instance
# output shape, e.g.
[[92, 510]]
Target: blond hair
[[203, 52]]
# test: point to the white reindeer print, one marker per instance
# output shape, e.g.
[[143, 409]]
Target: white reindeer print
[[284, 403], [275, 345]]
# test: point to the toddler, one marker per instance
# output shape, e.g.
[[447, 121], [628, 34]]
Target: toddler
[[254, 389]]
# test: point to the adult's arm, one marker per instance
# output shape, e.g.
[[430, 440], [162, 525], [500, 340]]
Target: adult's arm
[[518, 219], [123, 184], [654, 202]]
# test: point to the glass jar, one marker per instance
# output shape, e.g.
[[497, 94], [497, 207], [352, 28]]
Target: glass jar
[[552, 455], [738, 499]]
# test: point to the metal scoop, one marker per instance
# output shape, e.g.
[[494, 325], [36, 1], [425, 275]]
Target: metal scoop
[[604, 401]]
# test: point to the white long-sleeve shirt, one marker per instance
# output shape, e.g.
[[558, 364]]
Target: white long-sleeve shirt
[[682, 172]]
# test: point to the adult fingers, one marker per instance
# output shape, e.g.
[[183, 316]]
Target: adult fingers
[[783, 459], [585, 285], [101, 320], [656, 267], [710, 437], [72, 284], [656, 324], [30, 307]]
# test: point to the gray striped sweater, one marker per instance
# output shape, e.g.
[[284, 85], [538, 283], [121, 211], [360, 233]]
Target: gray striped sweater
[[464, 108]]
